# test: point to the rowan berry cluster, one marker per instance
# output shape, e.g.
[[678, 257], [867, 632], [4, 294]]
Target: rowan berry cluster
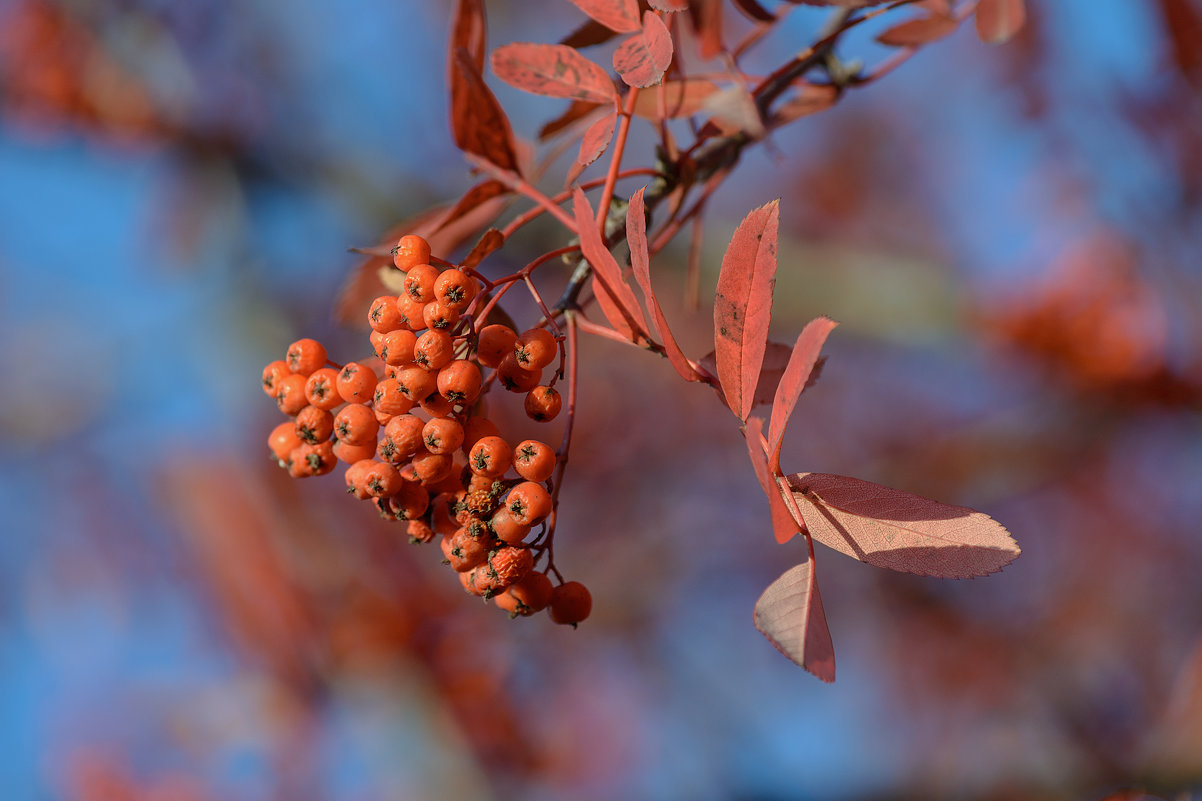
[[415, 439]]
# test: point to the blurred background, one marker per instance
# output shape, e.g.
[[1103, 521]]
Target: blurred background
[[1009, 237]]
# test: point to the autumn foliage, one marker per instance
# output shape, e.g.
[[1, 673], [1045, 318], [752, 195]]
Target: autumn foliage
[[440, 315]]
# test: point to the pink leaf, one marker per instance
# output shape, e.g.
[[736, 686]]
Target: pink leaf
[[743, 306], [734, 110], [894, 529], [999, 20], [617, 15], [553, 70], [642, 59], [784, 526], [917, 32], [640, 261], [680, 99], [614, 295], [810, 100], [593, 144], [794, 380], [670, 5], [790, 615]]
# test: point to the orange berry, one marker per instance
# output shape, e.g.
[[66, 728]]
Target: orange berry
[[396, 347], [346, 452], [454, 289], [436, 405], [410, 251], [408, 503], [290, 394], [570, 603], [419, 282], [543, 404], [411, 312], [272, 374], [439, 317], [384, 316], [532, 593], [390, 397], [314, 425], [420, 531], [445, 508], [321, 389], [283, 440], [355, 475], [416, 383], [516, 378], [528, 502], [434, 350], [490, 456], [507, 528], [442, 435], [356, 424], [494, 344], [511, 564], [381, 480], [356, 383], [460, 381], [476, 429], [431, 468], [313, 460], [536, 348], [305, 356], [534, 460], [453, 482], [405, 431], [464, 551]]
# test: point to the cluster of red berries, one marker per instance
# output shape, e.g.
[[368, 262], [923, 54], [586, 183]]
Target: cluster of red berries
[[415, 442]]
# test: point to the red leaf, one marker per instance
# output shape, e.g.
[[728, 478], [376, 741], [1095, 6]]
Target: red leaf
[[595, 141], [1183, 23], [477, 195], [467, 32], [489, 243], [707, 22], [553, 70], [784, 526], [681, 99], [917, 32], [642, 59], [795, 380], [614, 295], [998, 20], [894, 529], [776, 358], [617, 15], [478, 122], [812, 99], [790, 615], [670, 5], [640, 261], [743, 306], [578, 110]]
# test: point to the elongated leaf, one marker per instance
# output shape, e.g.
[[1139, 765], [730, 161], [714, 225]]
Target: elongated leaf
[[776, 358], [467, 32], [575, 112], [790, 615], [680, 99], [617, 15], [754, 11], [614, 295], [811, 99], [642, 59], [589, 34], [640, 261], [784, 526], [999, 20], [900, 531], [478, 122], [670, 5], [707, 22], [743, 306], [477, 195], [794, 381], [553, 70], [917, 32], [593, 144], [489, 243]]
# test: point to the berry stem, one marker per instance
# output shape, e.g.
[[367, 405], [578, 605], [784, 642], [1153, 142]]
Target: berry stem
[[615, 163]]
